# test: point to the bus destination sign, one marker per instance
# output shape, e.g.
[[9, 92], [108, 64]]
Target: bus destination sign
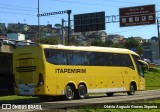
[[140, 15]]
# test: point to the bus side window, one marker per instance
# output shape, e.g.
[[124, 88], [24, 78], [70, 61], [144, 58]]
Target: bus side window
[[76, 57], [57, 57], [91, 58], [116, 60], [86, 59], [100, 60], [109, 59], [129, 61], [122, 60]]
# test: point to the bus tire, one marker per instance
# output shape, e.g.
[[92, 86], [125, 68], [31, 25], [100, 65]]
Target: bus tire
[[70, 92], [132, 89], [109, 94], [81, 92]]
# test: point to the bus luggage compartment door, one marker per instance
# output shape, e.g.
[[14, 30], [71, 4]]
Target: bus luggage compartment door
[[26, 76]]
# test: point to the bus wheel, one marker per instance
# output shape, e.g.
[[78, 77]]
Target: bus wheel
[[82, 91], [109, 94], [70, 92], [132, 90]]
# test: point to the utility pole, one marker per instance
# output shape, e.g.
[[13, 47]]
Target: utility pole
[[69, 25], [62, 38], [158, 26], [24, 21], [38, 22]]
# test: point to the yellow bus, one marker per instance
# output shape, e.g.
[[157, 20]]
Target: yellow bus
[[75, 72]]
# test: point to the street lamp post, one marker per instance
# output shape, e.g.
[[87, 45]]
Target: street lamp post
[[158, 34], [158, 28], [38, 22], [62, 28]]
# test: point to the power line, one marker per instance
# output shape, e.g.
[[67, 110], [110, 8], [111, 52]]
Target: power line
[[17, 9], [130, 30], [20, 9], [84, 3], [28, 14], [100, 4], [18, 6], [117, 1], [68, 2], [17, 13]]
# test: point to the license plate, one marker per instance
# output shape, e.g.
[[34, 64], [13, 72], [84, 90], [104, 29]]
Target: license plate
[[26, 89]]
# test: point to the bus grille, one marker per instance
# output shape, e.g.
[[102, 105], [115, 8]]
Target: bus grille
[[26, 69]]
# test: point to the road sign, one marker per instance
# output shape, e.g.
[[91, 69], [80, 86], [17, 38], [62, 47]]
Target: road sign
[[134, 49], [140, 15], [89, 22]]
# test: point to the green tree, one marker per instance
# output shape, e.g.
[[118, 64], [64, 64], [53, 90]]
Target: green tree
[[154, 38], [58, 26], [48, 40], [133, 43], [98, 42], [108, 43], [10, 30], [94, 36], [1, 30], [117, 45], [146, 45]]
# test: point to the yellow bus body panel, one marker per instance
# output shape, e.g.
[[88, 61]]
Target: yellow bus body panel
[[56, 77]]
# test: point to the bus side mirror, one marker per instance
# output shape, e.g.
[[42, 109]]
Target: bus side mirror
[[144, 64]]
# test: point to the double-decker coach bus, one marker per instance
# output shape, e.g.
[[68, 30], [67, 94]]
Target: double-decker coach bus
[[52, 70]]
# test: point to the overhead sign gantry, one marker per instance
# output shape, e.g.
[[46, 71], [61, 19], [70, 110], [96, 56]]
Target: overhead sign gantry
[[59, 12], [140, 15]]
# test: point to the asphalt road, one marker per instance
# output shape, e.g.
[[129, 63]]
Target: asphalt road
[[140, 96]]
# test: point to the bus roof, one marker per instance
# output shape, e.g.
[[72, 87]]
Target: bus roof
[[90, 48]]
